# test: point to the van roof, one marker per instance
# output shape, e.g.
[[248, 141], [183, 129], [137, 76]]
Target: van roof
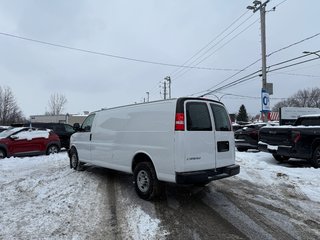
[[180, 99]]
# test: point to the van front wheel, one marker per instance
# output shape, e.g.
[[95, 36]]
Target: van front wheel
[[74, 160], [146, 183]]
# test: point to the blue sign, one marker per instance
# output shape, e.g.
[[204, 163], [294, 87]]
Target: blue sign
[[265, 101]]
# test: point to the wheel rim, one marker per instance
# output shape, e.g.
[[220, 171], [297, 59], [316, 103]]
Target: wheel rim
[[74, 160], [143, 181], [53, 149], [1, 154]]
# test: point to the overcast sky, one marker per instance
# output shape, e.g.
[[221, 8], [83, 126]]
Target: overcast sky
[[164, 32]]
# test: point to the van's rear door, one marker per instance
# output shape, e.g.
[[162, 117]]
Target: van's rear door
[[204, 138], [198, 138], [224, 136]]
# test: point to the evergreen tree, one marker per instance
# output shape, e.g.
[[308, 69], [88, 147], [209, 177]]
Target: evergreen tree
[[242, 114]]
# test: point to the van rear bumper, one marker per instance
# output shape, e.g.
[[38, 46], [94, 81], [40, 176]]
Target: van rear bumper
[[206, 176]]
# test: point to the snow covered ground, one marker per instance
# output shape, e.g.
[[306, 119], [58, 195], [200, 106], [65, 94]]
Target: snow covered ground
[[261, 168], [42, 198]]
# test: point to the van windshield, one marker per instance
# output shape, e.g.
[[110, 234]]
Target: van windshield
[[221, 118], [198, 117]]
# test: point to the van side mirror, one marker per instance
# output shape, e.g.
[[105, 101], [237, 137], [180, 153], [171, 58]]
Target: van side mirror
[[76, 127]]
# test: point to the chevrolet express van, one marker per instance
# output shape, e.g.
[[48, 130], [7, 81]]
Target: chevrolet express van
[[183, 141]]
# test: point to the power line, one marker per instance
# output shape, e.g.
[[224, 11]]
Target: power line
[[244, 79], [286, 61], [206, 57], [280, 3], [247, 77], [112, 55], [293, 44], [298, 74], [294, 64], [245, 96], [208, 44], [301, 68], [245, 68], [254, 74], [279, 50], [201, 55]]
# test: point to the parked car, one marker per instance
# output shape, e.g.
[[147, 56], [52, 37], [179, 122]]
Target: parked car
[[24, 141], [302, 140], [247, 137], [63, 130], [2, 128], [183, 141], [239, 124]]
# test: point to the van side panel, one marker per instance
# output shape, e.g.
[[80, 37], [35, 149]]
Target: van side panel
[[121, 133]]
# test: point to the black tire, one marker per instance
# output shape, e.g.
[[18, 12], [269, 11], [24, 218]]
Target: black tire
[[52, 149], [315, 161], [74, 160], [2, 154], [280, 158], [242, 149], [146, 183]]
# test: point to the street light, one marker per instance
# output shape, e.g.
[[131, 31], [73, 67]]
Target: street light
[[309, 53], [219, 98]]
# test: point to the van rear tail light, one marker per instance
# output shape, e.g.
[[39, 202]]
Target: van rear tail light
[[179, 126]]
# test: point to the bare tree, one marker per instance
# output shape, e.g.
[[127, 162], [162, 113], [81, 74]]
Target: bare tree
[[9, 110], [303, 98], [56, 104]]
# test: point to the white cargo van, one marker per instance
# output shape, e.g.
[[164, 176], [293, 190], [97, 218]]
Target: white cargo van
[[183, 141]]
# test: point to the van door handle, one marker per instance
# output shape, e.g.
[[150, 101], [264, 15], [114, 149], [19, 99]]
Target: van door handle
[[90, 136]]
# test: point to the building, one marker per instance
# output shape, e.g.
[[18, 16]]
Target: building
[[61, 118]]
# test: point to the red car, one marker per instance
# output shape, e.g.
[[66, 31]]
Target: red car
[[24, 141]]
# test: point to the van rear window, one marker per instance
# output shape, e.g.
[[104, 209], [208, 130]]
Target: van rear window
[[221, 118], [198, 117]]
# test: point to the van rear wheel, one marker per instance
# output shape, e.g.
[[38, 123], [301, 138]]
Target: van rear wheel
[[146, 183]]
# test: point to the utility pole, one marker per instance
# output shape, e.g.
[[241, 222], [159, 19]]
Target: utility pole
[[164, 90], [148, 94], [257, 5], [168, 79]]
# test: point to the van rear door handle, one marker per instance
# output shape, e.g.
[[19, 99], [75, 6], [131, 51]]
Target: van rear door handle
[[90, 136]]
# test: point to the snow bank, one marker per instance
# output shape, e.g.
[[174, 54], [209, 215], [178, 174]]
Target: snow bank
[[262, 168]]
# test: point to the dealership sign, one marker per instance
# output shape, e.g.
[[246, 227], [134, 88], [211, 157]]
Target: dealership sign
[[265, 101]]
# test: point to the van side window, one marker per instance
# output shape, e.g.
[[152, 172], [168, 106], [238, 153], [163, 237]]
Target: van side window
[[221, 118], [87, 123], [198, 117]]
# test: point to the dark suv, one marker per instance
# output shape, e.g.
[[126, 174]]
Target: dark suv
[[63, 130]]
